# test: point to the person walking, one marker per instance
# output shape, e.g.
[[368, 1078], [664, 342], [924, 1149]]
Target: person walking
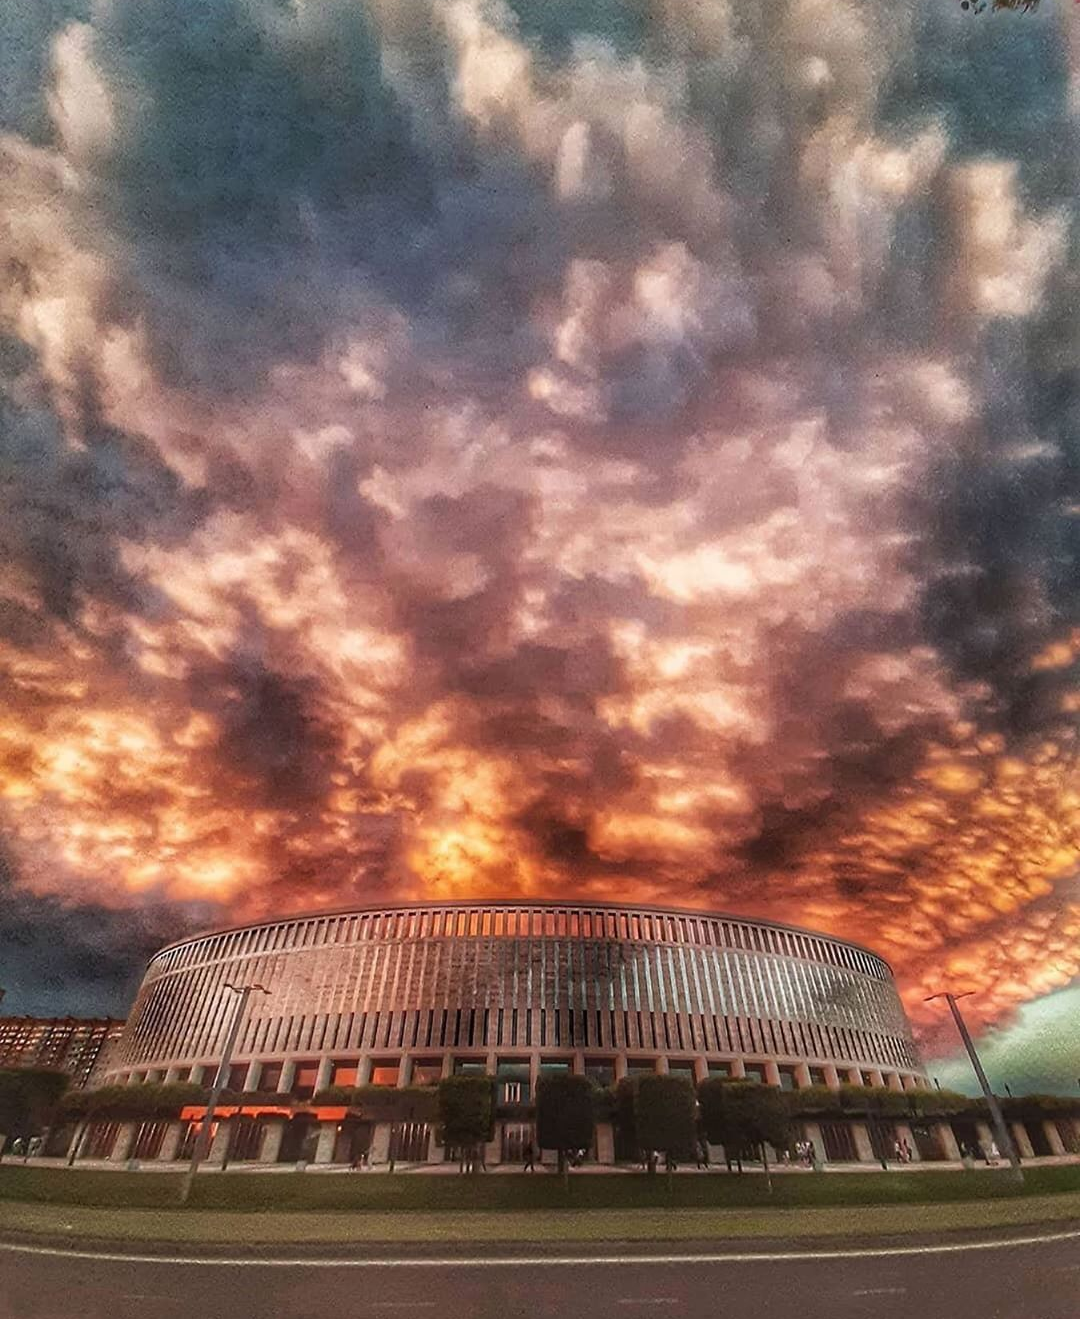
[[908, 1156], [530, 1157]]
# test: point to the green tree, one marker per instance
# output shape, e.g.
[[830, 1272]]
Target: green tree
[[622, 1114], [565, 1115], [29, 1099], [467, 1114], [665, 1117], [745, 1117]]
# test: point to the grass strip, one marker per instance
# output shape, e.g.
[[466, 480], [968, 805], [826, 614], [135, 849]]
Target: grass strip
[[717, 1226], [418, 1192]]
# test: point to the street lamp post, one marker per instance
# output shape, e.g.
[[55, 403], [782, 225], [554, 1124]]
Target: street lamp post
[[1000, 1129], [202, 1141], [877, 1127]]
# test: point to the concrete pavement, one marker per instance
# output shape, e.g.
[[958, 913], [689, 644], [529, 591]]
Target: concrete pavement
[[1031, 1278]]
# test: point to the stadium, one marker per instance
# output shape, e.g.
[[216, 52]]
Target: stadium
[[401, 996]]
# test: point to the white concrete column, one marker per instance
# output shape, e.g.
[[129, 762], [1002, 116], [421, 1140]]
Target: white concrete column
[[701, 1071], [324, 1146], [273, 1131], [853, 1075], [605, 1143], [802, 1075], [738, 1068], [620, 1066], [772, 1073], [405, 1070], [288, 1071], [1053, 1136], [171, 1143], [380, 1143], [1021, 1139], [322, 1076], [893, 1081], [578, 1065], [876, 1079], [172, 1075], [254, 1072], [219, 1146], [832, 1077], [864, 1151], [201, 1075], [363, 1070], [662, 1065], [948, 1140], [122, 1145]]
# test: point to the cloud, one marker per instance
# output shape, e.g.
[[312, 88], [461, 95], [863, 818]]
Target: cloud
[[457, 447]]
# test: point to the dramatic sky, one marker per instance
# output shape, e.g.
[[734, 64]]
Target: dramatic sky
[[610, 448]]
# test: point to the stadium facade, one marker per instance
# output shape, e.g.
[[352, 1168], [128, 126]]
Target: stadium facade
[[403, 995]]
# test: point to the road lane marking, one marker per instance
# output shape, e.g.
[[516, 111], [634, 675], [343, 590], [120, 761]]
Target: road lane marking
[[402, 1305], [648, 1300], [880, 1291], [539, 1261]]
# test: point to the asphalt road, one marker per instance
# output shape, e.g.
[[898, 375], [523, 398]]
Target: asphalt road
[[1034, 1281]]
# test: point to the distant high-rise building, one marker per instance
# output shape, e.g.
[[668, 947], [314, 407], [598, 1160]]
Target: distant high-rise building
[[76, 1045]]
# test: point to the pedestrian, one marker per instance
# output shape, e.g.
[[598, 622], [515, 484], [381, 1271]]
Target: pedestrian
[[811, 1150], [907, 1151], [994, 1155], [898, 1152], [530, 1156], [669, 1162], [19, 1148]]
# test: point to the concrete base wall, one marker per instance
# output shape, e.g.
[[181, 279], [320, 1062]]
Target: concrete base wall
[[219, 1146], [1021, 1140], [1053, 1137], [380, 1143], [864, 1151], [272, 1137], [125, 1140], [324, 1146], [171, 1144], [947, 1140]]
